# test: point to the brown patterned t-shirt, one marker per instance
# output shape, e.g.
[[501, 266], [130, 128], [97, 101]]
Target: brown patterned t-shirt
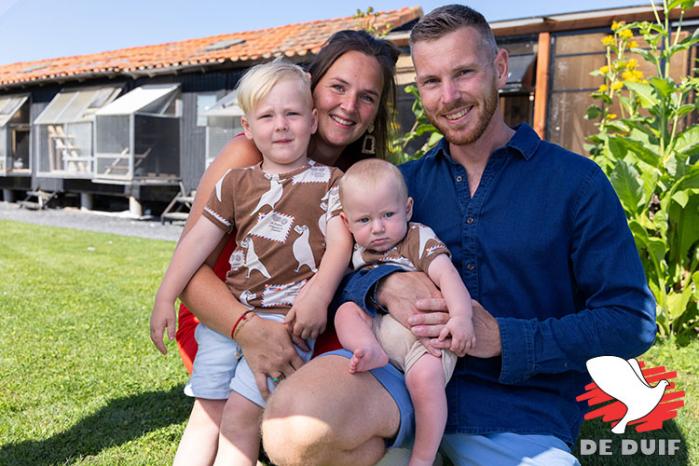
[[280, 222], [414, 253]]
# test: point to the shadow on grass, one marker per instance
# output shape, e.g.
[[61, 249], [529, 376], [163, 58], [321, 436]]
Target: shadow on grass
[[597, 430], [122, 420]]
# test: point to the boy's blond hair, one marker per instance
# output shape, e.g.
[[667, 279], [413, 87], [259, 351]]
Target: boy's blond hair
[[369, 173], [259, 80]]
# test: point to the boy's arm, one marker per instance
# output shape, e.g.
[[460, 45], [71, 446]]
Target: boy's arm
[[308, 316], [189, 255], [460, 324]]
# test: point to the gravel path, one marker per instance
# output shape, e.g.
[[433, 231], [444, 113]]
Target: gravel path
[[104, 222]]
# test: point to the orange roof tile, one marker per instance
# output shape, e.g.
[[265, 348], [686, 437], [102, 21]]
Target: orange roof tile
[[290, 40]]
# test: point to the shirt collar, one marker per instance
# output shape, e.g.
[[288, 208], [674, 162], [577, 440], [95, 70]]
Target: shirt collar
[[525, 141]]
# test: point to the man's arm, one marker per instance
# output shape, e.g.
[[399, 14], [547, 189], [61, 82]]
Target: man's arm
[[618, 312]]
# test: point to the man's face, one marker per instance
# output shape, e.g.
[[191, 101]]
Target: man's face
[[458, 79]]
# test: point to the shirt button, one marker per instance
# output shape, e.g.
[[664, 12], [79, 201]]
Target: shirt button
[[459, 178], [470, 220], [470, 266]]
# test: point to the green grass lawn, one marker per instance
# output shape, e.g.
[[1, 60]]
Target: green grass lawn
[[81, 383]]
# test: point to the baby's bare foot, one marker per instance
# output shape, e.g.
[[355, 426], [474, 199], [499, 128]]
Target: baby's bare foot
[[365, 359]]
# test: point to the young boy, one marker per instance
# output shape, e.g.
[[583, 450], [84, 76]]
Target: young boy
[[376, 210], [284, 211]]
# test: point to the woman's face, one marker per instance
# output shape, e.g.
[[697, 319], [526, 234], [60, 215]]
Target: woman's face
[[347, 98]]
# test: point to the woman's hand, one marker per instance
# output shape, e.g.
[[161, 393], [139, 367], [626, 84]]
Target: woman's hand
[[268, 349], [162, 317]]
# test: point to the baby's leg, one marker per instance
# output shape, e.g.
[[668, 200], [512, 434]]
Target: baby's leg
[[353, 328], [200, 438], [239, 440], [425, 381]]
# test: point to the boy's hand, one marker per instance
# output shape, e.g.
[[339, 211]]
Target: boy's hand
[[463, 337], [162, 317], [309, 314]]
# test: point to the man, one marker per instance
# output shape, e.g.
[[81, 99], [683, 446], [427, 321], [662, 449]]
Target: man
[[540, 240]]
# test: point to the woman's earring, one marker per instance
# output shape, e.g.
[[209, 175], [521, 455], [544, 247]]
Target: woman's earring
[[369, 143]]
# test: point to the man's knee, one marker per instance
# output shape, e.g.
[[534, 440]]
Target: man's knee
[[291, 438]]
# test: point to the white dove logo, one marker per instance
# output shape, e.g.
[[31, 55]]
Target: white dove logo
[[624, 381]]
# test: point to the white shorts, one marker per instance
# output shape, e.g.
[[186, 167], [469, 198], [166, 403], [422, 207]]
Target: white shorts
[[219, 366]]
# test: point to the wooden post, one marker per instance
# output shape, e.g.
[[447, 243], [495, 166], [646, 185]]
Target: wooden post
[[543, 60]]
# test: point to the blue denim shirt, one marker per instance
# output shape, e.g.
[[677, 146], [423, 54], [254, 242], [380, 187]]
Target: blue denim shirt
[[543, 245]]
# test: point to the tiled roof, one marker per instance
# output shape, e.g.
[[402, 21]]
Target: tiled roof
[[292, 40]]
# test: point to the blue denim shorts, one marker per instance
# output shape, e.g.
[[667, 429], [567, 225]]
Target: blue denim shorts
[[394, 382]]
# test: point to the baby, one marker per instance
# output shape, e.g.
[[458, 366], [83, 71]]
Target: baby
[[284, 211], [377, 210]]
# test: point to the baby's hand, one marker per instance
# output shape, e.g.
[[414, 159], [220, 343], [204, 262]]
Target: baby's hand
[[162, 317], [308, 316], [463, 337]]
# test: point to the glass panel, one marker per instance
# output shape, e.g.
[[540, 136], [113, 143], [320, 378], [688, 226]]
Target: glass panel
[[574, 72], [54, 108], [518, 108], [157, 146], [19, 149], [567, 126], [578, 43], [204, 103], [4, 149], [113, 146]]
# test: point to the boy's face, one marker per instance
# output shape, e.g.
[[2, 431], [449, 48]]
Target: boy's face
[[377, 216], [281, 125]]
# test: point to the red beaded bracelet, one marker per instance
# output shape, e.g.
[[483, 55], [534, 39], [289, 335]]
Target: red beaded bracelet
[[242, 317]]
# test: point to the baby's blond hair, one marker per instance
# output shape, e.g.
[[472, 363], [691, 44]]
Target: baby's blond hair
[[369, 173], [259, 80]]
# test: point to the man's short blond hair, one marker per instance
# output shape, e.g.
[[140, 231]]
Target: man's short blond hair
[[369, 173], [259, 80]]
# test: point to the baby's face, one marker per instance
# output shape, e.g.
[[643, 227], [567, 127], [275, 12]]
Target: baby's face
[[376, 216]]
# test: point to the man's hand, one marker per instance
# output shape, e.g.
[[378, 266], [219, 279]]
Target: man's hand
[[268, 349], [434, 316], [399, 293], [162, 317]]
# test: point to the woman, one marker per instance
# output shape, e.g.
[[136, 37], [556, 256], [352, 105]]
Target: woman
[[354, 94]]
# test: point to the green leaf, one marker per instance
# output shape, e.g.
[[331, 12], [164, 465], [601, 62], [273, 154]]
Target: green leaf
[[681, 197], [593, 112], [636, 147], [683, 4], [688, 142], [645, 94], [624, 178], [684, 219], [664, 86], [683, 110], [677, 303], [695, 282]]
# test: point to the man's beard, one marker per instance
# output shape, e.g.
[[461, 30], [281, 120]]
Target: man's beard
[[465, 136]]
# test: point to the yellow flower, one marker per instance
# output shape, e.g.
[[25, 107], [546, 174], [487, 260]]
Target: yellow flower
[[604, 69], [603, 88], [608, 41], [617, 85], [611, 116], [626, 34], [627, 76], [633, 44], [617, 24], [638, 75], [631, 64]]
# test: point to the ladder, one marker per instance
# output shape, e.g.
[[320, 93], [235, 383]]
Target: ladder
[[37, 200], [179, 207]]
